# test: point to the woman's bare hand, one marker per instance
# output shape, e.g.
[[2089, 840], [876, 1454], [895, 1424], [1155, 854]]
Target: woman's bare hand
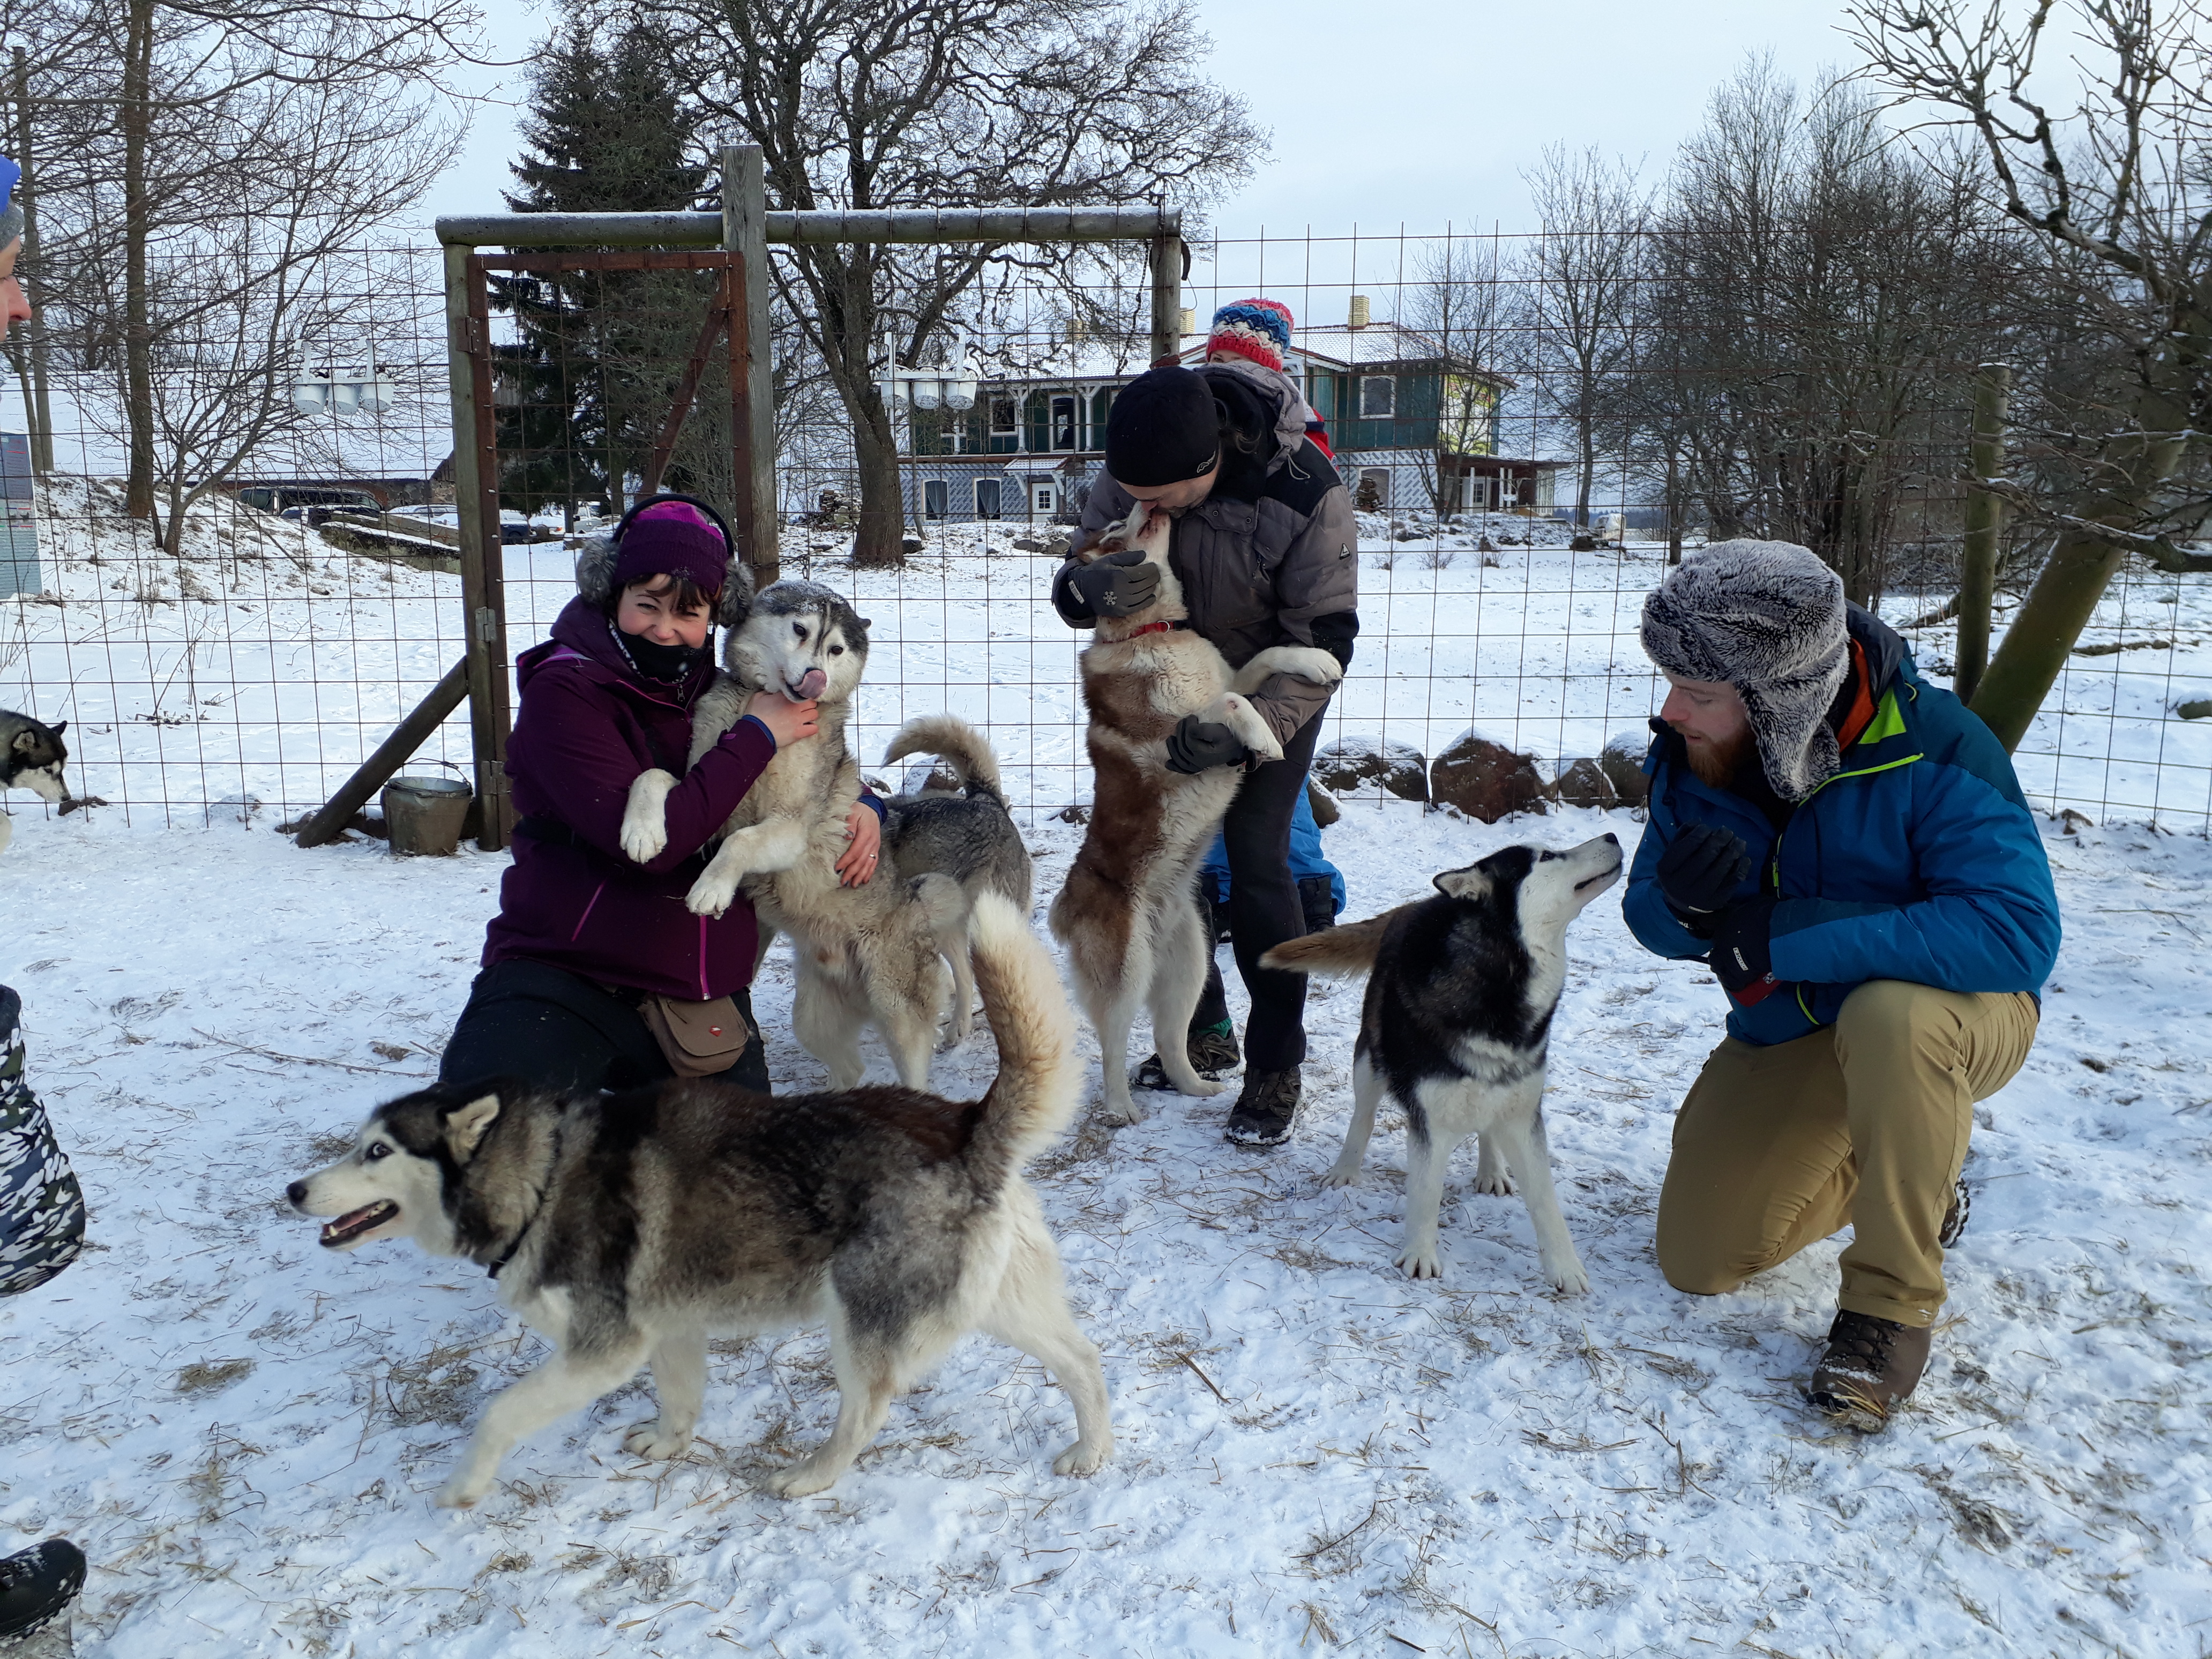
[[859, 862], [788, 722]]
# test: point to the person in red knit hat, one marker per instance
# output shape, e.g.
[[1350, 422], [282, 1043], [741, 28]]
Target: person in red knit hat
[[1259, 332]]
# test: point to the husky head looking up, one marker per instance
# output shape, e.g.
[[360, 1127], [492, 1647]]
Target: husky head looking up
[[1147, 530], [803, 640]]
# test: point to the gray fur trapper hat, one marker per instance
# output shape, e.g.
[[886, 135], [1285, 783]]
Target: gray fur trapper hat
[[1767, 618]]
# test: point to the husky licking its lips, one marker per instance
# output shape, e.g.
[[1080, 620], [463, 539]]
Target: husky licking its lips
[[1456, 1030], [32, 754], [626, 1227]]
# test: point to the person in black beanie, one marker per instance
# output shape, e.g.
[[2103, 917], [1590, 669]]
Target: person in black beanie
[[1265, 547]]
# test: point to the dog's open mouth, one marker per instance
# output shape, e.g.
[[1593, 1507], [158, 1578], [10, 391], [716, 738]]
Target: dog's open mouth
[[353, 1223], [1597, 880]]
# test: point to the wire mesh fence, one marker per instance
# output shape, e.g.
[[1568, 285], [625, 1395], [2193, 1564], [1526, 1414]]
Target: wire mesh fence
[[244, 654]]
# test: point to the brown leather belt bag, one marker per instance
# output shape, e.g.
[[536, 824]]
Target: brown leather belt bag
[[699, 1039]]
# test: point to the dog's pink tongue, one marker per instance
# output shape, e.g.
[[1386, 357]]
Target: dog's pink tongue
[[811, 686]]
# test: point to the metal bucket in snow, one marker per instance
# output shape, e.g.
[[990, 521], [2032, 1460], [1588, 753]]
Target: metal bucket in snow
[[425, 815]]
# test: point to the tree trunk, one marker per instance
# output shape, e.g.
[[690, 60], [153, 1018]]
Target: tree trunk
[[1586, 480], [1978, 573], [878, 539], [2074, 578], [138, 333]]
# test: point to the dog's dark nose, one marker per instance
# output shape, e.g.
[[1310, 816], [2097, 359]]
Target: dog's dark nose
[[1615, 839], [297, 1191]]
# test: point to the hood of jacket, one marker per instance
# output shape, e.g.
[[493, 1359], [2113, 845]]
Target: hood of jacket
[[1263, 403]]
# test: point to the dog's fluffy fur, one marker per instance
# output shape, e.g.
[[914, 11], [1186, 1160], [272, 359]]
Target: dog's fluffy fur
[[629, 1226], [874, 954], [1126, 913], [969, 835], [32, 754], [1457, 1029]]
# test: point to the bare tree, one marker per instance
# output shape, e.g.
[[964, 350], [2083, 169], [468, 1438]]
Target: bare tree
[[165, 123], [2120, 187], [1471, 311], [1583, 272], [877, 104], [1813, 297]]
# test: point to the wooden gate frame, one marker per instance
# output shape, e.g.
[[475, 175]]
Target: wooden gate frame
[[741, 234]]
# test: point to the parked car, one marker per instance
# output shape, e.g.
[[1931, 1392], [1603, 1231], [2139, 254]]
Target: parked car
[[294, 501]]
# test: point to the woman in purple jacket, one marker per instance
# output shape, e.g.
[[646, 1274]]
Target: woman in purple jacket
[[583, 934]]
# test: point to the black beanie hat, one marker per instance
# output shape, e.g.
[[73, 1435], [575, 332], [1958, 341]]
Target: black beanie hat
[[1163, 428]]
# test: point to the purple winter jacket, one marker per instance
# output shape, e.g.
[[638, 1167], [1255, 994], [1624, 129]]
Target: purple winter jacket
[[587, 725]]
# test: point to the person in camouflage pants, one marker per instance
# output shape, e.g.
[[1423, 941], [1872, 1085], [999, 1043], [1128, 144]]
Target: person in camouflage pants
[[41, 1209]]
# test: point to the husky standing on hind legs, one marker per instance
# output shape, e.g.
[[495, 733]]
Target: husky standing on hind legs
[[1261, 563]]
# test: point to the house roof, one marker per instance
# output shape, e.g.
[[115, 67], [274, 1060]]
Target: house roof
[[1337, 348]]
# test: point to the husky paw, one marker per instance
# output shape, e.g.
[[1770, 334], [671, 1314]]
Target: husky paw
[[1496, 1183], [645, 818], [650, 1440], [461, 1492], [1421, 1261], [1568, 1276], [1083, 1458], [801, 1479], [1202, 1088], [1341, 1174], [710, 896], [1120, 1115]]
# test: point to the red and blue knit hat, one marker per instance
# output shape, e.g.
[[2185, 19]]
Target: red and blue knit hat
[[1258, 329]]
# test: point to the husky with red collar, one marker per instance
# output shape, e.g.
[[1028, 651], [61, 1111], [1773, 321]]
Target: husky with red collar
[[1132, 935]]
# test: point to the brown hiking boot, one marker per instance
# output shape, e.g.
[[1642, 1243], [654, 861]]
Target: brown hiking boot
[[1870, 1369], [1213, 1050], [1267, 1110]]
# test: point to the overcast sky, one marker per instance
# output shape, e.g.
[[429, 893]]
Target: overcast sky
[[1393, 112]]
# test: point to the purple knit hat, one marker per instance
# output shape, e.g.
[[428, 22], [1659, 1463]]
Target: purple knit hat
[[665, 535], [671, 539]]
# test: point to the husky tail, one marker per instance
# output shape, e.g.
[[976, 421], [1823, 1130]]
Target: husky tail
[[1334, 952], [1033, 1097], [952, 739]]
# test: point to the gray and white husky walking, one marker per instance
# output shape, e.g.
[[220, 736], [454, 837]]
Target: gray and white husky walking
[[1457, 1029], [32, 754], [875, 954], [970, 835], [629, 1226], [1126, 914]]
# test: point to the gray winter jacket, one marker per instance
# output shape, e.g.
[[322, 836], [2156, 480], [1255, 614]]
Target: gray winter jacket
[[1271, 557]]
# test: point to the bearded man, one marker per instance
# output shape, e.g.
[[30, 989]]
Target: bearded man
[[1846, 845]]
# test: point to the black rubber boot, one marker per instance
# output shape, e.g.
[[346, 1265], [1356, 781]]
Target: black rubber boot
[[1317, 902], [1266, 1111], [36, 1587]]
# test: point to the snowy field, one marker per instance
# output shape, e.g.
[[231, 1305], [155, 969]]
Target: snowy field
[[265, 665], [1316, 1455]]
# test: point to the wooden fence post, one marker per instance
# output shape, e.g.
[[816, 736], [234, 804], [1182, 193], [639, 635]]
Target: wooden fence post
[[1977, 574], [1167, 295], [744, 233], [475, 497]]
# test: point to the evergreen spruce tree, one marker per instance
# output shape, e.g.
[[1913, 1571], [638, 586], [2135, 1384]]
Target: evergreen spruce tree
[[608, 131]]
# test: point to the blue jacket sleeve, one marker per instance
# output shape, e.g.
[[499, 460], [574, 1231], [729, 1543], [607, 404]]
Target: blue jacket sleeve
[[1990, 921], [1654, 925]]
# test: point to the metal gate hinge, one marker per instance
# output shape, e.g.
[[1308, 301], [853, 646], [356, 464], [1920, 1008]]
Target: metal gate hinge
[[487, 624]]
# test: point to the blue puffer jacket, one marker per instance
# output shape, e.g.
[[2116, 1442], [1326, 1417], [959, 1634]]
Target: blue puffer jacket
[[1918, 860]]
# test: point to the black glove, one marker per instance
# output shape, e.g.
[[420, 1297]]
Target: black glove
[[1742, 955], [1117, 585], [1699, 872], [1196, 745]]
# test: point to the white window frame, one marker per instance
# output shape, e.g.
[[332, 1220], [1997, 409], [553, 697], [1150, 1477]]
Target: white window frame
[[1044, 500], [1074, 423], [936, 499], [999, 485], [1013, 402], [1389, 385]]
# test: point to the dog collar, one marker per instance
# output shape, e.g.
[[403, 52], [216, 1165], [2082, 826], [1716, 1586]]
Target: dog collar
[[1156, 628]]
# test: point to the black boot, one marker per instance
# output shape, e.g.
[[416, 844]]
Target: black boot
[[1317, 902], [1266, 1110], [36, 1587]]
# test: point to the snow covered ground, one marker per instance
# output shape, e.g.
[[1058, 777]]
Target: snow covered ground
[[265, 664], [1315, 1455]]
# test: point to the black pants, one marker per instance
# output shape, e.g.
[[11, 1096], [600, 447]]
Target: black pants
[[560, 1030], [1264, 908]]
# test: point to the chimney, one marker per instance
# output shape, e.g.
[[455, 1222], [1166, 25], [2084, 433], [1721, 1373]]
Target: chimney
[[1079, 329], [1359, 311], [1189, 321]]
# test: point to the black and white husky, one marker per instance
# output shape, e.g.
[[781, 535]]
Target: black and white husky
[[626, 1227], [1456, 1027], [32, 754]]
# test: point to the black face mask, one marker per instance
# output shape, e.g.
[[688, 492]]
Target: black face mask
[[670, 665]]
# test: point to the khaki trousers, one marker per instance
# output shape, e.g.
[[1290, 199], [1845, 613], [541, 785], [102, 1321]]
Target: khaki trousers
[[1865, 1125]]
